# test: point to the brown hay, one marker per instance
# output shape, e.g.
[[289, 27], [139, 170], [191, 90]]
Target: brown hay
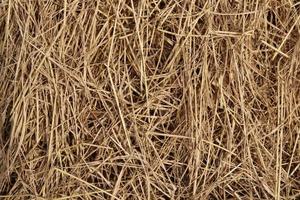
[[149, 99]]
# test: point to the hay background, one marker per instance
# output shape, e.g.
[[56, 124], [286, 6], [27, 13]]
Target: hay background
[[149, 99]]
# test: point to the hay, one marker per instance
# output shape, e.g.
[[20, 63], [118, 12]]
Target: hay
[[149, 99]]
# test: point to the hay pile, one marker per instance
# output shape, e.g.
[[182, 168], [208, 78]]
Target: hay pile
[[149, 99]]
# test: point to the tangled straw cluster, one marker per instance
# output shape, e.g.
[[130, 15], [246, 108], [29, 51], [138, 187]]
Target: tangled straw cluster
[[149, 99]]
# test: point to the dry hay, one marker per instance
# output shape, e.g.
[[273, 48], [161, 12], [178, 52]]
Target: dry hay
[[149, 99]]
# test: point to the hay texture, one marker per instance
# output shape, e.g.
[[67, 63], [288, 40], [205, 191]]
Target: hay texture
[[149, 99]]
